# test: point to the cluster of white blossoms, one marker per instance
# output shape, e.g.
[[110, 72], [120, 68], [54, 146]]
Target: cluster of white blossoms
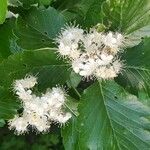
[[38, 112], [92, 54]]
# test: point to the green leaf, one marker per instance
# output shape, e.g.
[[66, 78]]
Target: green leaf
[[109, 118], [87, 13], [3, 9], [91, 12], [8, 41], [8, 104], [70, 135], [42, 62], [136, 75], [131, 17], [2, 123], [38, 28]]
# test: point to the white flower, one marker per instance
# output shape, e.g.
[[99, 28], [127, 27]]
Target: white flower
[[109, 72], [57, 98], [38, 122], [100, 72], [110, 40], [19, 124], [64, 49], [63, 118], [105, 59], [22, 87], [24, 95], [85, 66], [93, 41], [68, 41], [72, 33], [113, 41], [35, 105], [39, 111], [27, 83], [71, 51]]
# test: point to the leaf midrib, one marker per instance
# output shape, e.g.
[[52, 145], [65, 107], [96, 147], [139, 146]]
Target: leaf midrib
[[110, 122]]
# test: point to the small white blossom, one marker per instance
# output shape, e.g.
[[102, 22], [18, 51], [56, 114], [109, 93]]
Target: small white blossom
[[109, 72], [113, 40], [62, 118], [58, 97], [105, 59], [38, 112], [26, 83], [24, 95], [19, 124], [101, 72], [85, 66], [105, 73], [110, 40], [69, 40], [72, 33], [93, 41], [71, 51], [22, 87], [40, 123]]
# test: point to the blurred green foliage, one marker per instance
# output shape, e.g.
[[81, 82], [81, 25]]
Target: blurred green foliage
[[31, 141]]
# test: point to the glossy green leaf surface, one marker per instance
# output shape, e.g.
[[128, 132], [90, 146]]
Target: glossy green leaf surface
[[87, 13], [39, 27], [109, 118]]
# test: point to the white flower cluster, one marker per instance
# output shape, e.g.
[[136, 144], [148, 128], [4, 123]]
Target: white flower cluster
[[38, 112], [92, 54]]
